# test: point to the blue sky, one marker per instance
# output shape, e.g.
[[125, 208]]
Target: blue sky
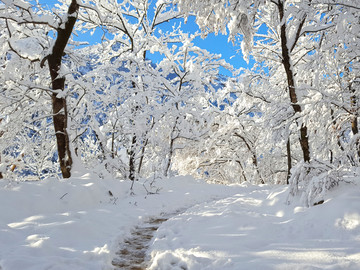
[[217, 44], [213, 43]]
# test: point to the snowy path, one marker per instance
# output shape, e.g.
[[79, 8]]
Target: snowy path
[[132, 252], [258, 231], [75, 224]]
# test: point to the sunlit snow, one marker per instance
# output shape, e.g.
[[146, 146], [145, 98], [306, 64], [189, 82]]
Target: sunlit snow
[[76, 224]]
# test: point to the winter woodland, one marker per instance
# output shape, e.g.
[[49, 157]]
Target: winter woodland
[[106, 106]]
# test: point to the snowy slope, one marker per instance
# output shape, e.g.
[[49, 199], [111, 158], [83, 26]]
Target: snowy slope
[[256, 230], [77, 224]]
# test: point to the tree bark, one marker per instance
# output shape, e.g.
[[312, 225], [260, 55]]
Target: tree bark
[[132, 151], [144, 146], [59, 106], [141, 160], [354, 117], [286, 61], [289, 165], [132, 168]]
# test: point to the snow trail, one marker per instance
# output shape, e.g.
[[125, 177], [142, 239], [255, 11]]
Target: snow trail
[[132, 252], [258, 230]]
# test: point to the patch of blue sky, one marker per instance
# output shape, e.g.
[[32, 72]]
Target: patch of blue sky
[[216, 44]]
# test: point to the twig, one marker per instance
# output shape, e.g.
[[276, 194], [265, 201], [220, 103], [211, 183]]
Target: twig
[[63, 196]]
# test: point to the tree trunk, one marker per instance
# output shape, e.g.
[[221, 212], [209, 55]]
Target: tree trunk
[[1, 176], [286, 61], [171, 148], [354, 117], [60, 113], [141, 160], [62, 137], [113, 151], [144, 146], [132, 151], [253, 156], [132, 167], [171, 152], [289, 165], [355, 131], [242, 170]]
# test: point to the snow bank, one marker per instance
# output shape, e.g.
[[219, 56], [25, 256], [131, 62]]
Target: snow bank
[[255, 229], [77, 224]]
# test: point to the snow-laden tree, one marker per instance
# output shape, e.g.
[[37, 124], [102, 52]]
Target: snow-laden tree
[[330, 72], [22, 88], [284, 22], [29, 45], [39, 37], [116, 107], [288, 39], [236, 148], [124, 77], [337, 70], [189, 82], [226, 154], [147, 109]]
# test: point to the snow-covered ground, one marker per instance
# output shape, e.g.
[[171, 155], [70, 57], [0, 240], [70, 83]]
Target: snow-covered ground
[[77, 224], [256, 230]]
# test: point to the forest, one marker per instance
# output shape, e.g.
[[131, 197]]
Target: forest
[[291, 118], [124, 144]]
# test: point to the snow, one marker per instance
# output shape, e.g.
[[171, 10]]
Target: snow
[[27, 47], [77, 224], [256, 230]]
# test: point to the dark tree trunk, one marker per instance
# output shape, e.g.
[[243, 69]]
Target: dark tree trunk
[[141, 160], [286, 61], [132, 168], [1, 176], [289, 165], [58, 83], [132, 151], [354, 117], [171, 152], [62, 137], [354, 125], [355, 131]]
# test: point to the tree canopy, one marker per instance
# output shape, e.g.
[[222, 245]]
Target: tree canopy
[[292, 117]]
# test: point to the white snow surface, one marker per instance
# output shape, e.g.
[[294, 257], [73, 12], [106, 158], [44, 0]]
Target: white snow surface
[[76, 224]]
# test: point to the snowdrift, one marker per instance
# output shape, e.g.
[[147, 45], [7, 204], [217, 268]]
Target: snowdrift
[[79, 224]]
